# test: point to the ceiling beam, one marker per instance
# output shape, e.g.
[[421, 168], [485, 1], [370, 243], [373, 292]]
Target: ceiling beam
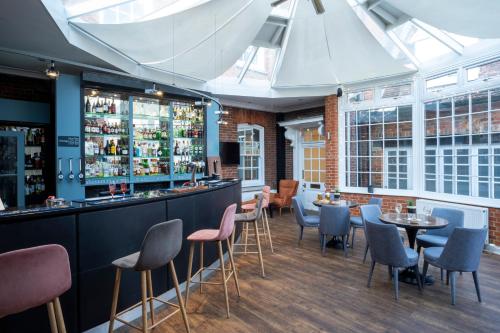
[[95, 10], [247, 64], [391, 19], [441, 36], [375, 4], [403, 48], [277, 34]]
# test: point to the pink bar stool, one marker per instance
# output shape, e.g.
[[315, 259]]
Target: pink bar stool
[[214, 235], [266, 232], [32, 277]]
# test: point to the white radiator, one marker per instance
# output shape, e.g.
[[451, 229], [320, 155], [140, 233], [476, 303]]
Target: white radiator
[[474, 216]]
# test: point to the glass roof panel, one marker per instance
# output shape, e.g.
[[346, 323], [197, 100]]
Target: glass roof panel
[[262, 66], [235, 70], [423, 46], [124, 11]]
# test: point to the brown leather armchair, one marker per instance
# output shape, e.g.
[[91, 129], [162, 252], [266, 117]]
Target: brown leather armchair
[[287, 189]]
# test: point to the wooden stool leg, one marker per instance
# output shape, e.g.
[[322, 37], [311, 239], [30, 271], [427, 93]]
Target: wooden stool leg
[[52, 317], [144, 296], [59, 316], [190, 267], [264, 231], [259, 249], [179, 295], [223, 270], [114, 303], [201, 266], [246, 236], [233, 267], [151, 300], [233, 235], [268, 231]]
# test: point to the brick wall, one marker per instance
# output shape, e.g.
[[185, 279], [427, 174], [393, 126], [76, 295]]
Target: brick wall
[[26, 89], [332, 144], [229, 133]]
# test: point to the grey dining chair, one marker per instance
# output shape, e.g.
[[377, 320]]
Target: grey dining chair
[[439, 237], [461, 253], [334, 221], [357, 221], [303, 220], [370, 213], [386, 248]]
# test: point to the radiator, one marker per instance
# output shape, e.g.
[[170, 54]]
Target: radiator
[[474, 216]]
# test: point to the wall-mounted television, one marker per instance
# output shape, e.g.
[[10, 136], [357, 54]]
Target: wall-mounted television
[[229, 152]]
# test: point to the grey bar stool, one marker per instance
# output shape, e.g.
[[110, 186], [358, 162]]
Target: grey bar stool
[[161, 245], [252, 217]]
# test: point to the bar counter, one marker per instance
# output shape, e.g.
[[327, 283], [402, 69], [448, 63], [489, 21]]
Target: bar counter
[[96, 233]]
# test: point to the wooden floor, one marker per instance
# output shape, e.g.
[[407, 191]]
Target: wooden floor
[[305, 292]]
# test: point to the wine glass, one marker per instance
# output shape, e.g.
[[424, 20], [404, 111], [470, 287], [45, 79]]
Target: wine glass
[[112, 189], [123, 188], [398, 208], [427, 211]]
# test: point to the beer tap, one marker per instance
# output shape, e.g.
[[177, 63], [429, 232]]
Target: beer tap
[[60, 175], [80, 174], [71, 175]]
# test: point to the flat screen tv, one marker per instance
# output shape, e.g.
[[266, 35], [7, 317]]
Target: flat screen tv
[[229, 152]]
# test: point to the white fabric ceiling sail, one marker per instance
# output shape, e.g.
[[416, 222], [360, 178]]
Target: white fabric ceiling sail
[[201, 42], [339, 34], [474, 18]]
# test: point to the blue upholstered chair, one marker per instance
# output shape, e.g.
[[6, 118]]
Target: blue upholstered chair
[[461, 253], [370, 213], [357, 221], [386, 248], [439, 237], [334, 221], [303, 220]]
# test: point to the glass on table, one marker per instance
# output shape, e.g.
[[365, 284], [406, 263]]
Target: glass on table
[[427, 211], [398, 208], [319, 197], [112, 189]]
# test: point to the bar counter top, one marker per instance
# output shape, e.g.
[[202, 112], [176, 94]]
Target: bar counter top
[[101, 203]]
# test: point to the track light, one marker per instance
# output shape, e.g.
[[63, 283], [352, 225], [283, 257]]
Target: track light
[[221, 112], [318, 6], [154, 91], [221, 122], [51, 72]]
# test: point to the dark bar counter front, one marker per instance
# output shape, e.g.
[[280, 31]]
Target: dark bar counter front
[[97, 232]]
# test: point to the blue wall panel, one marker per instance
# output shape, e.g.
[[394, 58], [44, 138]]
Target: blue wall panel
[[212, 130], [68, 124], [24, 111]]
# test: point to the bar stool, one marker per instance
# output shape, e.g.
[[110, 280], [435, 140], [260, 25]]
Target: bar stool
[[218, 236], [250, 206], [32, 277], [160, 246], [247, 218]]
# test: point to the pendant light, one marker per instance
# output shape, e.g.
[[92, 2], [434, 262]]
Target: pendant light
[[52, 72]]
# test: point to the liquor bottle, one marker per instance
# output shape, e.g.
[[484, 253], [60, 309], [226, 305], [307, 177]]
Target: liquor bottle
[[105, 107], [113, 106], [125, 149], [176, 148], [118, 148], [96, 149], [88, 107], [94, 108]]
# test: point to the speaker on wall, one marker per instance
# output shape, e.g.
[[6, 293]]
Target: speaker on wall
[[339, 92]]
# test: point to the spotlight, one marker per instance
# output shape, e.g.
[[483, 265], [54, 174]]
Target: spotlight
[[221, 112], [222, 122], [318, 6], [154, 91], [51, 72]]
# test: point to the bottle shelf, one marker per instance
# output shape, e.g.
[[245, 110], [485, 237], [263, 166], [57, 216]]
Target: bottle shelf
[[106, 116], [106, 135], [111, 156], [106, 180], [152, 157]]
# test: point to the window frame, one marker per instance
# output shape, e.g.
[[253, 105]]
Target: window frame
[[260, 181]]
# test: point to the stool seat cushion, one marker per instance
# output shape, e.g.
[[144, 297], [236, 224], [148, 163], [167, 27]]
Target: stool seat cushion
[[249, 206], [127, 262], [204, 235], [245, 217]]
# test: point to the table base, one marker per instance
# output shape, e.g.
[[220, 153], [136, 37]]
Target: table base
[[408, 276]]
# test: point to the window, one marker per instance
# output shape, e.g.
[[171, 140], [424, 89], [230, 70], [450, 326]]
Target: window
[[437, 83], [379, 147], [396, 91], [251, 169], [314, 164], [360, 96], [462, 145], [484, 71]]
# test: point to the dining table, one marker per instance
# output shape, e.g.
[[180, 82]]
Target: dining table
[[412, 223]]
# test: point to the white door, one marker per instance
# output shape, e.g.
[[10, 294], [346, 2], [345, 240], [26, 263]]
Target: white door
[[312, 167]]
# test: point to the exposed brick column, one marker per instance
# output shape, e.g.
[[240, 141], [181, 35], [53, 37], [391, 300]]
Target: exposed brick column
[[332, 144]]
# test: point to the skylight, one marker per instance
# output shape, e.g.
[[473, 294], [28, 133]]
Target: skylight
[[124, 11]]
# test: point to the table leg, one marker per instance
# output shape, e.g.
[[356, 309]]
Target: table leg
[[412, 235]]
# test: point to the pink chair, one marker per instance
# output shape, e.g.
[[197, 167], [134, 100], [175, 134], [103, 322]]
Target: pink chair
[[251, 206], [214, 235], [32, 277]]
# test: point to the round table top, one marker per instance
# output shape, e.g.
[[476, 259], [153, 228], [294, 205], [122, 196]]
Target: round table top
[[415, 221], [323, 202]]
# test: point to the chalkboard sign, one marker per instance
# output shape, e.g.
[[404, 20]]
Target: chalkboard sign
[[68, 141]]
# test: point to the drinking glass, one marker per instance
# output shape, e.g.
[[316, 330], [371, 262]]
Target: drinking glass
[[112, 189], [123, 188], [427, 211], [319, 197], [398, 208]]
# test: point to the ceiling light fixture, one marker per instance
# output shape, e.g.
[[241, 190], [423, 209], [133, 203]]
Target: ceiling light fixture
[[318, 6], [52, 72], [154, 91]]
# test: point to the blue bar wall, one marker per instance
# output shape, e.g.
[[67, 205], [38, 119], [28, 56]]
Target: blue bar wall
[[68, 124], [24, 111], [212, 130]]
